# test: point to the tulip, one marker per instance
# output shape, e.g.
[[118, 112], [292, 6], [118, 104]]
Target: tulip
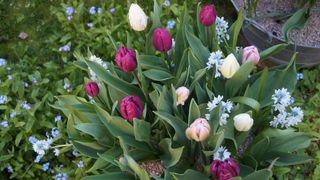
[[131, 107], [126, 59], [92, 89], [243, 122], [250, 53], [208, 15], [182, 94], [199, 130], [137, 18], [162, 40], [229, 66], [224, 170]]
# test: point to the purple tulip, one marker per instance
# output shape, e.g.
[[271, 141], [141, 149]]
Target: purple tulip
[[126, 59], [224, 170], [208, 15], [92, 89], [131, 107], [162, 40]]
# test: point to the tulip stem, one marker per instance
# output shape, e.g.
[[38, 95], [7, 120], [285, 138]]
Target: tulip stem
[[136, 77], [168, 61]]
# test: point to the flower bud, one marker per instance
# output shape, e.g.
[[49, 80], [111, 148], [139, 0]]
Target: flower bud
[[199, 130], [250, 53], [126, 59], [224, 170], [137, 18], [162, 40], [182, 94], [229, 66], [208, 15], [92, 89], [243, 122], [131, 107]]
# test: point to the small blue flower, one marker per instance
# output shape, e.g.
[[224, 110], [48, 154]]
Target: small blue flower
[[57, 118], [13, 114], [92, 10], [4, 124], [65, 48], [3, 99], [8, 68], [25, 105], [171, 24], [90, 25], [299, 76], [112, 10], [69, 18], [61, 176], [2, 62], [9, 168], [10, 77], [80, 164], [99, 11], [34, 80], [32, 139], [66, 86], [55, 132], [69, 10], [38, 158], [75, 153], [166, 3], [45, 166]]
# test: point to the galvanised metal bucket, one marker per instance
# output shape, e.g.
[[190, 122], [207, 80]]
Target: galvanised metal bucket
[[259, 36]]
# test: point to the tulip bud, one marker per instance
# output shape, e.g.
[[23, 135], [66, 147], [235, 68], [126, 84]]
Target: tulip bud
[[208, 15], [224, 170], [131, 107], [243, 122], [126, 59], [162, 40], [199, 130], [92, 89], [182, 94], [229, 66], [250, 53], [137, 18]]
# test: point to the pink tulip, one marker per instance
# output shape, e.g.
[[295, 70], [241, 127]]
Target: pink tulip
[[208, 15], [131, 107], [250, 53], [92, 89], [126, 59], [162, 40]]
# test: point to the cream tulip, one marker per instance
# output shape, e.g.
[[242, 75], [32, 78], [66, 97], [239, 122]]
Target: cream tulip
[[229, 66], [137, 18], [243, 122], [199, 130], [182, 94]]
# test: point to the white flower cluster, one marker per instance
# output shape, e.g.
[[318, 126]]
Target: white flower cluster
[[40, 146], [222, 29], [215, 58], [221, 154], [226, 107], [99, 61], [282, 102]]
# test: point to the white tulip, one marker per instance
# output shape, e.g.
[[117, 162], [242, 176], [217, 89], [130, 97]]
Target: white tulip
[[243, 122], [229, 66], [137, 18]]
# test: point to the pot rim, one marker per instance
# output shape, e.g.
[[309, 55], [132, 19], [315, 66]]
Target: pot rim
[[261, 28]]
